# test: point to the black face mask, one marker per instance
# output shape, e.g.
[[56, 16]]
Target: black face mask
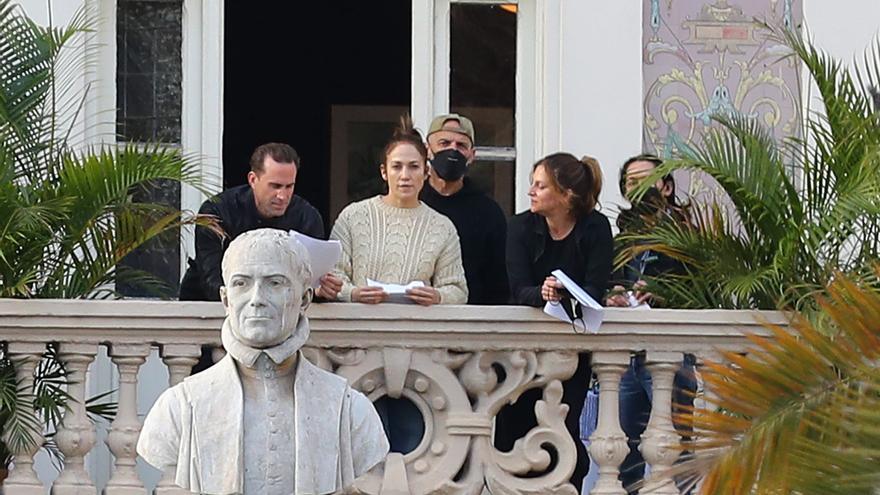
[[645, 209], [449, 164], [651, 202]]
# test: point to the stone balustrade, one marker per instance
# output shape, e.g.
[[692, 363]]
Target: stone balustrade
[[443, 359]]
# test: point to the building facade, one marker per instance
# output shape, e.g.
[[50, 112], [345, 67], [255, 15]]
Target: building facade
[[606, 79]]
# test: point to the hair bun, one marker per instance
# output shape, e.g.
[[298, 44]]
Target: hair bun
[[405, 129]]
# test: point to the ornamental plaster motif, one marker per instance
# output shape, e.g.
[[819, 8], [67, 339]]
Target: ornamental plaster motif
[[458, 395], [705, 59]]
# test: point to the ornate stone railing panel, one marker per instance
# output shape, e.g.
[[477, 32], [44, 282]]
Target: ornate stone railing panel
[[443, 359]]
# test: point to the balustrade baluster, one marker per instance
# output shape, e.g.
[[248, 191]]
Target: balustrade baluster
[[76, 434], [180, 358], [608, 446], [707, 400], [660, 441], [23, 479], [126, 427]]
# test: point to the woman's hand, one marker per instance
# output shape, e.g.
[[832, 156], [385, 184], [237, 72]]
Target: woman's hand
[[618, 297], [549, 290], [368, 295], [425, 296], [639, 292]]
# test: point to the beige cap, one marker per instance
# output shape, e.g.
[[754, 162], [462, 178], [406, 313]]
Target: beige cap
[[465, 126]]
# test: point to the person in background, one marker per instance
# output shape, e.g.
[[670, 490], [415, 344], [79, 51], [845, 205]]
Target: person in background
[[479, 221], [636, 393], [658, 200], [266, 201], [561, 230]]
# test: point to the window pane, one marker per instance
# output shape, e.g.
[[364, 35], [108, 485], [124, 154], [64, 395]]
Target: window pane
[[497, 180], [482, 86], [482, 82], [148, 70]]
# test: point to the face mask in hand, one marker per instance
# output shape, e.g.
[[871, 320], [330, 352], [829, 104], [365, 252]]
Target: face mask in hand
[[449, 165]]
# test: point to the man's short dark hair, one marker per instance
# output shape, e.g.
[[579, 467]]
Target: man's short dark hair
[[280, 152]]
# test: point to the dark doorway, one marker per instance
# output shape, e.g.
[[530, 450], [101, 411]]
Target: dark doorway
[[287, 64]]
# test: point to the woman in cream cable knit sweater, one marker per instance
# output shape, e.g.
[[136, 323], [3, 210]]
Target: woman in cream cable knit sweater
[[396, 238]]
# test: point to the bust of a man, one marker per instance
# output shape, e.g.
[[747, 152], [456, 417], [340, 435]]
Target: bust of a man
[[264, 420]]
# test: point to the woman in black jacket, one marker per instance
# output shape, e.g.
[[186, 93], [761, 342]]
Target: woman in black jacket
[[561, 230]]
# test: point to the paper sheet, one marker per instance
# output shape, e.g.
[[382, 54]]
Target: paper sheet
[[323, 254], [634, 303], [593, 311], [396, 292]]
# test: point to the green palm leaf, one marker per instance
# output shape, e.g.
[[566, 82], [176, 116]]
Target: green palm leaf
[[67, 211]]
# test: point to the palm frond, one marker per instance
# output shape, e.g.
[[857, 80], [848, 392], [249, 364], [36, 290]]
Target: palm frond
[[799, 413]]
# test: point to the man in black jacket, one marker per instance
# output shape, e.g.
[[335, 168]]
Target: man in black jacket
[[481, 226], [266, 201]]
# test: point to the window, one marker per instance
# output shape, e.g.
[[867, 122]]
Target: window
[[149, 70], [482, 86], [149, 101], [486, 59]]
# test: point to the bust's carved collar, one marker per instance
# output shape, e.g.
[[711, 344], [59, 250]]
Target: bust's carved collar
[[247, 355]]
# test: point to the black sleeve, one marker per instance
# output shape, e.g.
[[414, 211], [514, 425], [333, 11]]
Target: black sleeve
[[209, 254], [519, 266], [496, 282], [313, 224], [599, 255]]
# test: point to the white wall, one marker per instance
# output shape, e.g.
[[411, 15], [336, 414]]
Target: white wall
[[843, 28], [602, 85]]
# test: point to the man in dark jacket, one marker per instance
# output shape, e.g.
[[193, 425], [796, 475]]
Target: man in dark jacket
[[266, 201], [481, 226]]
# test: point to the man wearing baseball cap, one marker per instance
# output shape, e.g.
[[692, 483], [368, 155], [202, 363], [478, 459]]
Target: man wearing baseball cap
[[481, 226]]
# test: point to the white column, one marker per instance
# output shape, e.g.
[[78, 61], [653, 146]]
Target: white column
[[23, 479], [659, 445], [202, 109], [608, 446], [179, 358], [424, 48], [126, 427], [76, 434]]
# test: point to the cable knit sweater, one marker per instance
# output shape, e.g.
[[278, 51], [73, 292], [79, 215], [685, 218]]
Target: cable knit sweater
[[399, 245]]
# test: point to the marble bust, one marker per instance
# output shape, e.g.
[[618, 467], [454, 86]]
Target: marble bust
[[263, 420]]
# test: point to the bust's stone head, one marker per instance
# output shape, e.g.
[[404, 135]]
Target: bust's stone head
[[266, 276]]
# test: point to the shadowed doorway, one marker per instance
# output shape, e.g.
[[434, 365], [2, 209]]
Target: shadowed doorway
[[327, 78]]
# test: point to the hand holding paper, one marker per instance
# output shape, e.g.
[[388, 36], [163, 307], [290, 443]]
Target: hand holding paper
[[396, 292], [592, 312], [323, 255]]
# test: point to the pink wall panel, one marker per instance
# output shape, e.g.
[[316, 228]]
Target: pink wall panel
[[705, 58]]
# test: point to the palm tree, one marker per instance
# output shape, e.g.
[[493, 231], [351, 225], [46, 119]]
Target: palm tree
[[800, 413], [795, 213], [68, 213]]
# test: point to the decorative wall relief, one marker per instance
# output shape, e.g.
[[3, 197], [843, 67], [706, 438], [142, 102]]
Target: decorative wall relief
[[710, 58]]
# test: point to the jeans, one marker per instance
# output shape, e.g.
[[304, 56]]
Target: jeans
[[636, 395]]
